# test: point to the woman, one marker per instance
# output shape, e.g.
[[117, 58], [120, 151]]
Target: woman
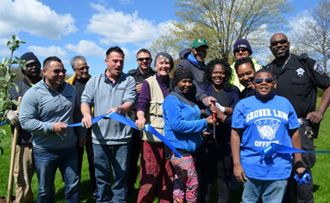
[[214, 158], [156, 172], [245, 72], [259, 121], [183, 128]]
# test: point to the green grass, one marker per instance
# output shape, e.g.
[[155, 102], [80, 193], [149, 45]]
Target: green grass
[[320, 171]]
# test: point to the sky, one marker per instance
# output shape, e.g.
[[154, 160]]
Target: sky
[[66, 28]]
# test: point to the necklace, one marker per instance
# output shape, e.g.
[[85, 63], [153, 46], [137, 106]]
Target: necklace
[[286, 61]]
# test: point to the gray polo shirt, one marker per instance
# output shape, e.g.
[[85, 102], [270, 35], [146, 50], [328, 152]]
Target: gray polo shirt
[[103, 94], [41, 107]]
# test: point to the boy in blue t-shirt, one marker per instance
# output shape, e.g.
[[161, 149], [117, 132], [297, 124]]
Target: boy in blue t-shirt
[[257, 122]]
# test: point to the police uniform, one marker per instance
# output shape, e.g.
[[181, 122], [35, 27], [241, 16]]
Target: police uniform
[[298, 80]]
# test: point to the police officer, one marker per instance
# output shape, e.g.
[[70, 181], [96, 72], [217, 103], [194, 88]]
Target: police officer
[[298, 78]]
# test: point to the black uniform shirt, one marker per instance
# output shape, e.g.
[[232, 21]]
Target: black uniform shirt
[[298, 81]]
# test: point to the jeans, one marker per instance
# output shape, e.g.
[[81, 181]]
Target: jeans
[[46, 163], [270, 191], [107, 159]]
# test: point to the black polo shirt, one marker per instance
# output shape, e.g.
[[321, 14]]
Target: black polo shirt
[[138, 76], [298, 82]]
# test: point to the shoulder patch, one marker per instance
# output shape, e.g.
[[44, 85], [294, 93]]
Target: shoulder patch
[[318, 68]]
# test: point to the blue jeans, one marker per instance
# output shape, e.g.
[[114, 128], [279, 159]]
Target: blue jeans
[[270, 191], [107, 159], [46, 163]]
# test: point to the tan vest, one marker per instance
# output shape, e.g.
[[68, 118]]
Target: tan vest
[[155, 115]]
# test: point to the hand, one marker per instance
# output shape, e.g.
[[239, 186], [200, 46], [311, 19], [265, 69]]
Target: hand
[[140, 122], [207, 101], [59, 127], [12, 116], [206, 133], [86, 121], [239, 173], [138, 87], [113, 109], [300, 170], [315, 116], [210, 120], [82, 141]]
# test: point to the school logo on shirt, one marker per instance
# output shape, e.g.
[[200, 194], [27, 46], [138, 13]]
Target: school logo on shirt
[[300, 72], [267, 127]]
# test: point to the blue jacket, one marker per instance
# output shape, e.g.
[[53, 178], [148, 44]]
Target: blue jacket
[[183, 126]]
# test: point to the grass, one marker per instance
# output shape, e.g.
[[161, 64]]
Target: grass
[[320, 171]]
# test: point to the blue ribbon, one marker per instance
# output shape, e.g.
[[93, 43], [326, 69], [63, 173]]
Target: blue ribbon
[[3, 123], [122, 119], [281, 149]]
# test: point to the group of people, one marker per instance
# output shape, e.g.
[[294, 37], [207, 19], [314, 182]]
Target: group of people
[[219, 117]]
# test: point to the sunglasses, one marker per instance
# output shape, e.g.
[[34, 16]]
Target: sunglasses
[[58, 71], [83, 68], [241, 50], [144, 59], [260, 80], [283, 41]]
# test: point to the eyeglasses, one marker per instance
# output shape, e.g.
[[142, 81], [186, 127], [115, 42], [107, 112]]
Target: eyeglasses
[[144, 59], [275, 43], [260, 80], [83, 68], [58, 71]]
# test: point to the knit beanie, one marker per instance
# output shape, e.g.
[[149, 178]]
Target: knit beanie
[[242, 43], [180, 74], [29, 58]]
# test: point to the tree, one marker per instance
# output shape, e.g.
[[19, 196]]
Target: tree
[[222, 22], [313, 34], [7, 77]]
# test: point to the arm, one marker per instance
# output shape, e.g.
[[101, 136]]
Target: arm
[[317, 116], [172, 110], [296, 143], [128, 97], [235, 149]]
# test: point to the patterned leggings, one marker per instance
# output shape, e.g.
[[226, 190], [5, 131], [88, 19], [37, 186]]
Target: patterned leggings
[[185, 184]]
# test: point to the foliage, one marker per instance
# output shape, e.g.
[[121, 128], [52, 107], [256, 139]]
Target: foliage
[[222, 22], [7, 77]]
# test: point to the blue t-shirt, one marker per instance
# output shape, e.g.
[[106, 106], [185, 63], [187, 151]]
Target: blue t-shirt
[[265, 123]]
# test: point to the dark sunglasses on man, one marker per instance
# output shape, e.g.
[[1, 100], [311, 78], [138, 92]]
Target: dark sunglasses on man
[[275, 43], [144, 59]]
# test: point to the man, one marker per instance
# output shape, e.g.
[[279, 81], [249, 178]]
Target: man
[[142, 72], [45, 112], [298, 78], [245, 72], [24, 165], [242, 49], [112, 91], [194, 59], [78, 80]]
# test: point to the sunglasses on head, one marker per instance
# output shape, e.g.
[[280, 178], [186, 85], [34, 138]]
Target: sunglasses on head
[[275, 43], [58, 71], [144, 59], [260, 80]]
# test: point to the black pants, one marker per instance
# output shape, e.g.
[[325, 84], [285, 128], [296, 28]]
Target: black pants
[[135, 154], [303, 192]]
